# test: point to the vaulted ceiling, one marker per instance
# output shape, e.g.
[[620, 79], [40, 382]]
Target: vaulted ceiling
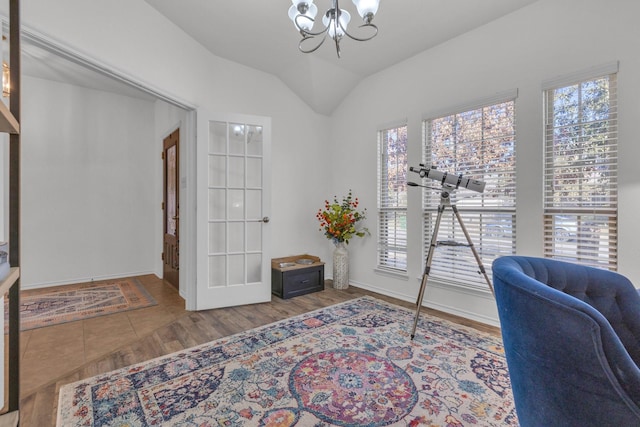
[[259, 34]]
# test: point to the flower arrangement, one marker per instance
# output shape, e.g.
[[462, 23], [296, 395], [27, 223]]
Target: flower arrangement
[[338, 220]]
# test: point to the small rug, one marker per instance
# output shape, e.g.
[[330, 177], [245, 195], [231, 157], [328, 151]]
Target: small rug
[[62, 304], [352, 364]]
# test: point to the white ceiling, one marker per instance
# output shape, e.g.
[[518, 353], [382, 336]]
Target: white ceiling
[[259, 34]]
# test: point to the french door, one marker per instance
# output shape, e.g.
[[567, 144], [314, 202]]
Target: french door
[[233, 193]]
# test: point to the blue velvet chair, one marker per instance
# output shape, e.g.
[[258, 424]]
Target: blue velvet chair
[[572, 342]]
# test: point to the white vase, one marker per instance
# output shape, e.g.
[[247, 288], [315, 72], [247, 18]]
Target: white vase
[[340, 266]]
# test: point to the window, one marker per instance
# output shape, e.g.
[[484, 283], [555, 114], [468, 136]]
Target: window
[[392, 199], [580, 178], [479, 143]]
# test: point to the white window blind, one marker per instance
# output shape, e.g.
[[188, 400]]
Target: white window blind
[[581, 173], [392, 199], [479, 143]]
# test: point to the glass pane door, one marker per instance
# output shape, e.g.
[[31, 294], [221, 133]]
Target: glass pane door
[[235, 206]]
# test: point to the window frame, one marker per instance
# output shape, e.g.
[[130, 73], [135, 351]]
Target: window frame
[[391, 240], [475, 217], [582, 227]]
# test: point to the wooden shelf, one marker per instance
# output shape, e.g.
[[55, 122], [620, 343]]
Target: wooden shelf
[[10, 419], [12, 277], [8, 123]]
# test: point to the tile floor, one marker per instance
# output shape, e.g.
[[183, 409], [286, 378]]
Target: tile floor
[[48, 353]]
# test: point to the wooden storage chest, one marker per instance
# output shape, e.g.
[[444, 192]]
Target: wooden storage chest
[[296, 275]]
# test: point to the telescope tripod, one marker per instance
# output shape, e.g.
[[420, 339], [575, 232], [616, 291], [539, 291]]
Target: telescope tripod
[[445, 201]]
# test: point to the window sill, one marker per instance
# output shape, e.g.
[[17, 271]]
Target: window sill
[[396, 274]]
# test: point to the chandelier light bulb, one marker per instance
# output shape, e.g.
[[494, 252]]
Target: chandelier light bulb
[[340, 27], [367, 9], [307, 12], [302, 5]]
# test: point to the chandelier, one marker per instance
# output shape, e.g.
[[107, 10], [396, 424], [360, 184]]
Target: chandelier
[[335, 21]]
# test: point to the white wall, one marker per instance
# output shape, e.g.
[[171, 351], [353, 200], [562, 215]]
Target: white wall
[[133, 39], [544, 40], [539, 42], [88, 188]]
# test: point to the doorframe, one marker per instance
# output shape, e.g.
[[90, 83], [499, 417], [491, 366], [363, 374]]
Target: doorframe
[[187, 244], [188, 201]]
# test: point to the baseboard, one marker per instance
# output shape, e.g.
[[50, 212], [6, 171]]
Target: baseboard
[[430, 304], [83, 280]]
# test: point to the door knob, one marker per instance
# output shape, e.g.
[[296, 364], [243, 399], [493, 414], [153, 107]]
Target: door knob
[[265, 219]]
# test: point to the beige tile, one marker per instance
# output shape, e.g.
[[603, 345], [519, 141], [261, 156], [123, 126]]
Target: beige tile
[[47, 349], [71, 330], [62, 341], [163, 296], [51, 352], [38, 369], [107, 333], [113, 323]]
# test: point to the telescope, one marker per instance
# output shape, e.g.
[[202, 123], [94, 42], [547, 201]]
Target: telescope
[[449, 183], [448, 180]]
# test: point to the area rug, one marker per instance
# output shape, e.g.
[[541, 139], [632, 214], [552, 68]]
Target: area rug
[[46, 307], [352, 364]]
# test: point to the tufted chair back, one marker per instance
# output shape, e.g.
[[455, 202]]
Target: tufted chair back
[[572, 341]]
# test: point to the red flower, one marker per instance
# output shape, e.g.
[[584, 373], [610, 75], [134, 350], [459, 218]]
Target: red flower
[[339, 219]]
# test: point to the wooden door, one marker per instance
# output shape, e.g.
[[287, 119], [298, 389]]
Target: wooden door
[[170, 255]]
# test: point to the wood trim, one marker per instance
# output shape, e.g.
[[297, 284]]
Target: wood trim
[[10, 280], [14, 207], [8, 123]]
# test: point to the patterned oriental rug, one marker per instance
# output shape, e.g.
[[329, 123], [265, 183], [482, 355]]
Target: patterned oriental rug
[[62, 304], [352, 364]]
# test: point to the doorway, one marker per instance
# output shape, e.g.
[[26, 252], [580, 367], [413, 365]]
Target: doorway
[[171, 205]]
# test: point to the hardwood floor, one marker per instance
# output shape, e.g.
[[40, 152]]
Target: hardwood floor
[[57, 355]]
